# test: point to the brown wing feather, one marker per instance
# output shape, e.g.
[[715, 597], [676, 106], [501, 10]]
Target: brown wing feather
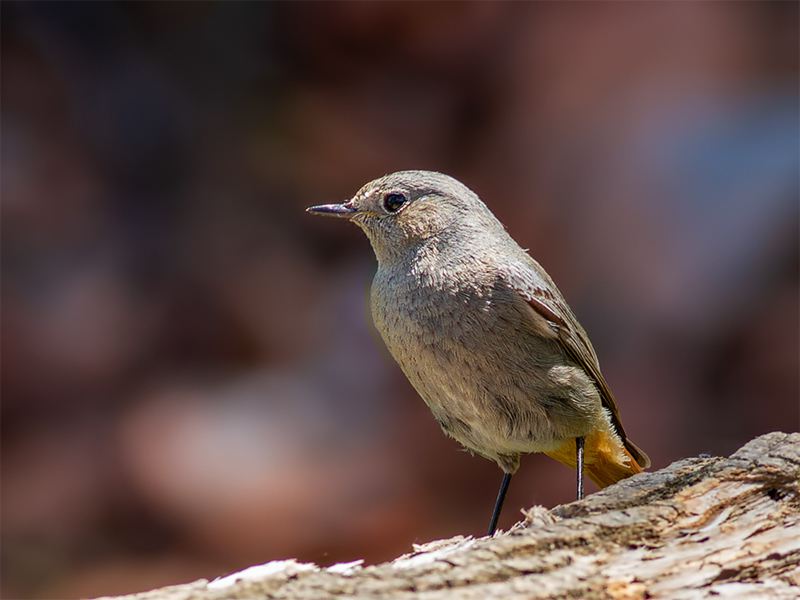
[[577, 345]]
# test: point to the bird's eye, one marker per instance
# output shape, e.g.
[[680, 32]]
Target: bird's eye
[[393, 202]]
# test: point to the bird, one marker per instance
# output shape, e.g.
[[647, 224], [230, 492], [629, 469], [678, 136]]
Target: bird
[[483, 334]]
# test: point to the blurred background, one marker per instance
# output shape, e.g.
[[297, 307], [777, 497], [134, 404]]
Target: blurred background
[[191, 382]]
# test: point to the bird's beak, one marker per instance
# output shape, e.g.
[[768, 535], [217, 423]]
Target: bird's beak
[[345, 209]]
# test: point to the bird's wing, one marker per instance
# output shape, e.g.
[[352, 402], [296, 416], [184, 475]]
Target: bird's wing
[[538, 293]]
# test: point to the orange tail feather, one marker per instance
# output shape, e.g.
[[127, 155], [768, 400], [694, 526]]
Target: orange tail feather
[[601, 458], [606, 470]]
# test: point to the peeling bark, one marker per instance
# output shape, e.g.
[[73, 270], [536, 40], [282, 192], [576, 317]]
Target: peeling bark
[[702, 527]]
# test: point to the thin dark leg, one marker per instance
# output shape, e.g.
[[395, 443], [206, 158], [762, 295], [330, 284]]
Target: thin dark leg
[[579, 452], [498, 505]]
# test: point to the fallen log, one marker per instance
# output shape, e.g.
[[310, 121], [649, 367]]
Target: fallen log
[[707, 527]]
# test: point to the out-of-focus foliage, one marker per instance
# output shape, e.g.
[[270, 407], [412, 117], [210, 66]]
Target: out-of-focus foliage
[[190, 380]]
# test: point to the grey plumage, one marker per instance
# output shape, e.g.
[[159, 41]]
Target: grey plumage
[[480, 329]]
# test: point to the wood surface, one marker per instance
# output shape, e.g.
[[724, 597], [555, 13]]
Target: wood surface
[[700, 528]]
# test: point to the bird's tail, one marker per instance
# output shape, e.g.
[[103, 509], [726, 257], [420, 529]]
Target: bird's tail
[[608, 469], [606, 459]]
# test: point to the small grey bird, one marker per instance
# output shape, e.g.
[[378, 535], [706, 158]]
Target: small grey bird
[[482, 332]]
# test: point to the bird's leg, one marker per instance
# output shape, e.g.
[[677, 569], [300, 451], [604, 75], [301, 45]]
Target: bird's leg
[[498, 505], [579, 455]]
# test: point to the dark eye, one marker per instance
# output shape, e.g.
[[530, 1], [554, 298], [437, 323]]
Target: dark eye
[[393, 202]]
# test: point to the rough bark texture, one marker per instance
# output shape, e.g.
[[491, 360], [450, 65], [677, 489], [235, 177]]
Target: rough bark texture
[[702, 527]]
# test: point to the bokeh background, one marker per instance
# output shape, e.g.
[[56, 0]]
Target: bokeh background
[[190, 380]]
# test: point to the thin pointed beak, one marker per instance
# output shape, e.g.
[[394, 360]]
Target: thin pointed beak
[[345, 209]]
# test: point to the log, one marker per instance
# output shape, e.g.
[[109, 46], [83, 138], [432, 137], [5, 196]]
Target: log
[[706, 527]]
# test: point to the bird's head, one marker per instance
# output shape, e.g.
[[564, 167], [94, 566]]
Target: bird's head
[[401, 211]]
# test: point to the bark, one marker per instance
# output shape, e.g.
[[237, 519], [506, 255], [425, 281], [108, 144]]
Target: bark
[[702, 527]]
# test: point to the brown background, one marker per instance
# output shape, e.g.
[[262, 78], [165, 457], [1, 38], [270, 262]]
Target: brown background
[[190, 380]]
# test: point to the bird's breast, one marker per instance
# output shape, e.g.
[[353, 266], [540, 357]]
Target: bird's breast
[[424, 313], [446, 339], [468, 347]]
